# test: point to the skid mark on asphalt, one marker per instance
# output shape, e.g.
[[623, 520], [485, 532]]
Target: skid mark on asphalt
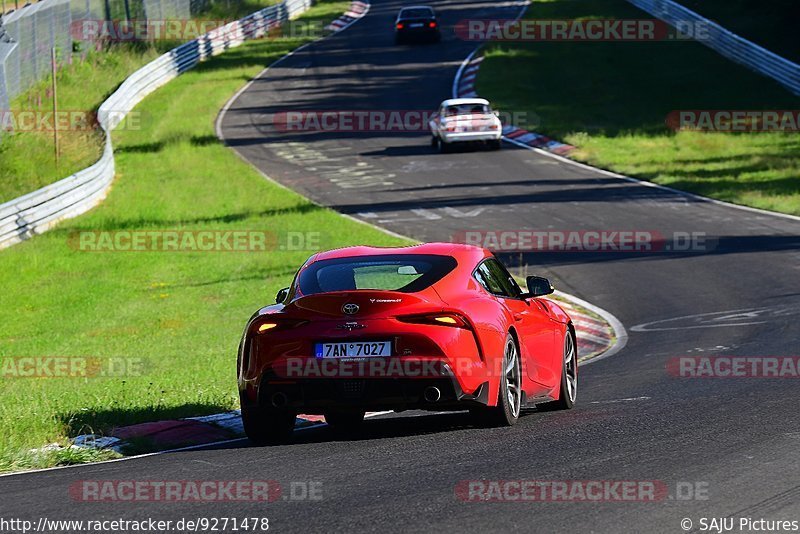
[[420, 214], [719, 319], [336, 170]]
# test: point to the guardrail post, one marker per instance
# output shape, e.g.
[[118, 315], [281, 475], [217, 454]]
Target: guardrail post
[[55, 103]]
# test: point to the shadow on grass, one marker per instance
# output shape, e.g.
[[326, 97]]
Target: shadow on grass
[[726, 188], [164, 224], [617, 88], [158, 146]]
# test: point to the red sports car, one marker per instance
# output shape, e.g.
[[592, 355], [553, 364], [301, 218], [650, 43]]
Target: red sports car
[[437, 326]]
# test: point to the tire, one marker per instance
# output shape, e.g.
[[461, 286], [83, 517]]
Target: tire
[[495, 145], [345, 420], [443, 147], [434, 142], [268, 427], [509, 398], [568, 390]]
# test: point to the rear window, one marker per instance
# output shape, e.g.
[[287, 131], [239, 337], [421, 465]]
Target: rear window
[[467, 109], [416, 13], [407, 273]]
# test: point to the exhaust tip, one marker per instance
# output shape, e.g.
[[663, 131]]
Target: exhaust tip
[[279, 400], [432, 394]]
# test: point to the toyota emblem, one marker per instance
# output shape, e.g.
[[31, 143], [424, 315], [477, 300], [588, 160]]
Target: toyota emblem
[[350, 308]]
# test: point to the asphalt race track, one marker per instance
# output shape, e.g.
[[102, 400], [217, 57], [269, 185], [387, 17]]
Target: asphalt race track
[[737, 438]]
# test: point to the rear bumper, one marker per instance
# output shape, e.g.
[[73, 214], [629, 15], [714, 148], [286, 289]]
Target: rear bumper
[[417, 32], [467, 137], [314, 396]]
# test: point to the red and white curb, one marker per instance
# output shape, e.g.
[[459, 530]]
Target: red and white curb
[[180, 432], [595, 335], [466, 78], [464, 87], [356, 11]]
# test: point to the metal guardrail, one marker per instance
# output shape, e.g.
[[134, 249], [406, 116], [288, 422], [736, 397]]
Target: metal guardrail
[[39, 211], [727, 43]]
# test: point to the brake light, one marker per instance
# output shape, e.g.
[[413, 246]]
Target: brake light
[[432, 24], [441, 319], [399, 25], [450, 126], [272, 325]]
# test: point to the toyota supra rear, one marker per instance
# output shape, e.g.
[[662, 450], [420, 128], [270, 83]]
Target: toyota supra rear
[[436, 326]]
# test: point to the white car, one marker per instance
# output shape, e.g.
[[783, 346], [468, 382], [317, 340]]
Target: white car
[[465, 120]]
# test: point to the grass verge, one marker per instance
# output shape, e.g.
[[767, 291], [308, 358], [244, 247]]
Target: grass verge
[[611, 100], [27, 157], [178, 315]]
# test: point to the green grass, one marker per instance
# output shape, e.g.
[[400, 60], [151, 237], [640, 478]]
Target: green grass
[[180, 313], [27, 158], [611, 99]]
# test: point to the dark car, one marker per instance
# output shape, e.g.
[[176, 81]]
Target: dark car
[[417, 23]]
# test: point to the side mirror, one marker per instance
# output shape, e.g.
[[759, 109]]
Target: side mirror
[[281, 296], [496, 113], [539, 286]]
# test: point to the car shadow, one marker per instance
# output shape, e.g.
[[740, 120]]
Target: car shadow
[[428, 150], [390, 427]]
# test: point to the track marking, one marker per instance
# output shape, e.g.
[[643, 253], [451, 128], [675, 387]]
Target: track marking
[[730, 315], [616, 401]]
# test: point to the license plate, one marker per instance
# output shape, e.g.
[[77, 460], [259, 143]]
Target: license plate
[[415, 25], [354, 349]]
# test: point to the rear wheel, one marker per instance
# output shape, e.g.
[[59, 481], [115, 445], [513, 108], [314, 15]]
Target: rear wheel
[[495, 144], [509, 399], [568, 391], [441, 146], [268, 427], [345, 420]]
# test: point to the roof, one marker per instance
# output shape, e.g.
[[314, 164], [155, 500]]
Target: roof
[[416, 7], [463, 101], [443, 249]]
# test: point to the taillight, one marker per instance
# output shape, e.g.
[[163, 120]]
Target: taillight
[[432, 24], [399, 25], [450, 126], [440, 319], [269, 324]]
